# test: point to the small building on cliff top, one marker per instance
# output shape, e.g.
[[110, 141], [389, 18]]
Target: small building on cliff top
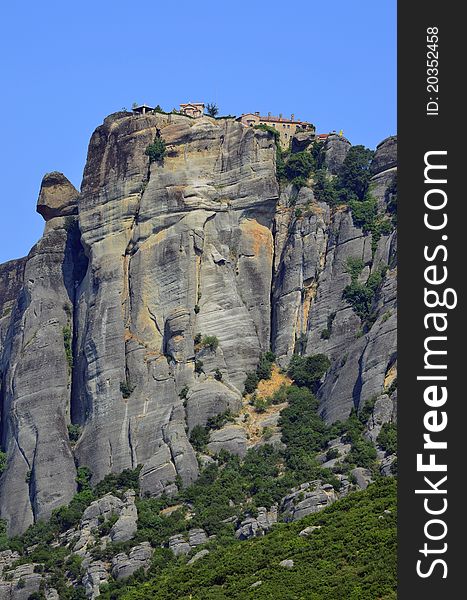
[[192, 109], [286, 127]]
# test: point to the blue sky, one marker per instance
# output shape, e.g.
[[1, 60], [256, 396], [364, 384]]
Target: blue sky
[[66, 65]]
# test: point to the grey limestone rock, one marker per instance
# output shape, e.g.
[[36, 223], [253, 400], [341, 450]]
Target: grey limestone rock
[[97, 323], [184, 544], [309, 530], [231, 438], [23, 582], [336, 148], [125, 528], [301, 140], [124, 565], [362, 477], [307, 499], [58, 197], [385, 155], [96, 574], [257, 526]]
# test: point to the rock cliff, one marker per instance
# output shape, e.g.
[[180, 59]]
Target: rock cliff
[[98, 323]]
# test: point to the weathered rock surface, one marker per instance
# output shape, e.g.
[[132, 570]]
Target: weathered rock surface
[[36, 379], [287, 564], [309, 530], [184, 544], [58, 197], [125, 528], [97, 323], [385, 155], [307, 499], [336, 148], [197, 556], [96, 574], [231, 438], [257, 526], [139, 557], [383, 412], [23, 582], [362, 477], [301, 140]]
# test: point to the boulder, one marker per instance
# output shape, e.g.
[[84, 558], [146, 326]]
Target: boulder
[[22, 582], [57, 197], [362, 477], [335, 149], [307, 499], [125, 528], [179, 545], [301, 140], [309, 530], [197, 556], [385, 156], [257, 526], [124, 565], [231, 438]]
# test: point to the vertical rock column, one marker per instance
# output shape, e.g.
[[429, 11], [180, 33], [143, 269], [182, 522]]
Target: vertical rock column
[[37, 368]]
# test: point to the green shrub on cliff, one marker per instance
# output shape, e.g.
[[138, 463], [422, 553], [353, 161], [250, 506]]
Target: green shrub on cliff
[[157, 150], [308, 370], [3, 461]]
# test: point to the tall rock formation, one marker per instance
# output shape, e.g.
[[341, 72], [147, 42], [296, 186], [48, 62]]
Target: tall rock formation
[[97, 324]]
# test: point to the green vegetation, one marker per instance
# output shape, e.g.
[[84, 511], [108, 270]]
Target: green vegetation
[[362, 452], [362, 295], [211, 342], [212, 109], [3, 461], [251, 382], [184, 392], [326, 333], [354, 267], [263, 371], [199, 367], [199, 437], [387, 438], [324, 188], [352, 187], [126, 388], [218, 375], [270, 129], [67, 342], [299, 167], [365, 215], [157, 150], [352, 556], [308, 370], [74, 431]]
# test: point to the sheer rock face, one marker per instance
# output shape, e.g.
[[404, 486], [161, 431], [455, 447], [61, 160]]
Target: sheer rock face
[[385, 155], [97, 324], [36, 379], [336, 148]]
